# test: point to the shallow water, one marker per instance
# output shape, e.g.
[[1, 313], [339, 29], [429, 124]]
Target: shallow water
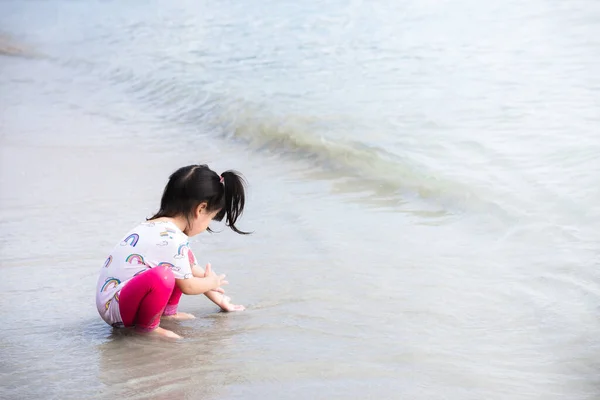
[[423, 191]]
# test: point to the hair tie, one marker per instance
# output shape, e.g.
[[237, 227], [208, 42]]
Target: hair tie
[[222, 180]]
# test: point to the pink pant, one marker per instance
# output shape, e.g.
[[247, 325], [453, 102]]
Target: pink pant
[[148, 296]]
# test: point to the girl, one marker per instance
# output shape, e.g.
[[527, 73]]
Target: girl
[[145, 274]]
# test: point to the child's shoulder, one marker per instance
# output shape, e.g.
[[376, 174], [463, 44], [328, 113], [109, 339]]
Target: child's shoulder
[[165, 232], [153, 237]]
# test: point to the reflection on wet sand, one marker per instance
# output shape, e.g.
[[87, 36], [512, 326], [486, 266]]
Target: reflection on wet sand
[[139, 367]]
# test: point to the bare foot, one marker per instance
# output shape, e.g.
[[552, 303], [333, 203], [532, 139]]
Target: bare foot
[[180, 316], [165, 333]]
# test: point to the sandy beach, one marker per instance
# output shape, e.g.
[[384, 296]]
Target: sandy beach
[[422, 191]]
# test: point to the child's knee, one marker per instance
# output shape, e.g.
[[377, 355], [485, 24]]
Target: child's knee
[[163, 276], [167, 276]]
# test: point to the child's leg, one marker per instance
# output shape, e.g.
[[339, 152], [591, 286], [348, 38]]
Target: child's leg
[[171, 308], [144, 298]]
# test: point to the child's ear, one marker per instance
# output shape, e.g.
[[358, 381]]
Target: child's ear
[[201, 208]]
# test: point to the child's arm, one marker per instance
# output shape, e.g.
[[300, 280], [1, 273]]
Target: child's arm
[[216, 295], [198, 285], [200, 273]]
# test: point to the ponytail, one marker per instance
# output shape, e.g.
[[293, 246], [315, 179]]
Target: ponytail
[[235, 198]]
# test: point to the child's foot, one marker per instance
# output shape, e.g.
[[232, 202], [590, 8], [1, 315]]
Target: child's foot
[[180, 316], [165, 333]]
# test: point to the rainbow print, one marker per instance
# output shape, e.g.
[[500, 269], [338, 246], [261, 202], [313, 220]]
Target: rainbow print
[[135, 259], [181, 251], [166, 264], [131, 240], [107, 262], [110, 283], [117, 296], [107, 304], [168, 232]]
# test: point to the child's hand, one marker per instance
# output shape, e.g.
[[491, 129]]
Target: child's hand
[[208, 272], [226, 305], [218, 280]]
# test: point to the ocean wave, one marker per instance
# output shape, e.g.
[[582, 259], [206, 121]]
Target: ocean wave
[[318, 140]]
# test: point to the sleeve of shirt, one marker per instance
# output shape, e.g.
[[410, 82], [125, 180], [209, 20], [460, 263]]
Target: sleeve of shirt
[[175, 255], [192, 258]]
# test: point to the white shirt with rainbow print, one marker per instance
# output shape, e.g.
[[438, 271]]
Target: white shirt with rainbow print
[[148, 245]]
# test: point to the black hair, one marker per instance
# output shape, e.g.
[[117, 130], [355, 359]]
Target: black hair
[[192, 185]]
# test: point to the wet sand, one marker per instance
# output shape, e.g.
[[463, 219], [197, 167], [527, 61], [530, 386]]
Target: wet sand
[[422, 191]]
